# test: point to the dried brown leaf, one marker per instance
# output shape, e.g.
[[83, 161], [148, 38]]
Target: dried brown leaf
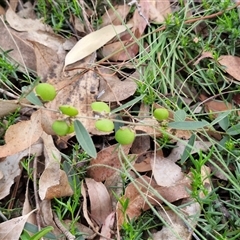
[[143, 161], [126, 53], [232, 64], [140, 190], [21, 135], [115, 15], [141, 143], [100, 201], [154, 15], [109, 159], [53, 181], [11, 39], [114, 89], [216, 106], [107, 227]]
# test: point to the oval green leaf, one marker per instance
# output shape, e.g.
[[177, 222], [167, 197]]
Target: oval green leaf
[[234, 130], [188, 125], [84, 139]]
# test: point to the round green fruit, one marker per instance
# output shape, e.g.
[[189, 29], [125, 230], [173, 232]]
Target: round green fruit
[[161, 114], [60, 127], [125, 136], [71, 129], [68, 110], [104, 125], [46, 91], [100, 107]]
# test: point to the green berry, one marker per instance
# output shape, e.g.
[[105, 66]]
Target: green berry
[[71, 129], [45, 91], [125, 136], [68, 110], [104, 125], [100, 107], [60, 127], [161, 114]]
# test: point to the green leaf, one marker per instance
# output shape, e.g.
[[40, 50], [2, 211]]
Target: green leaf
[[188, 149], [128, 104], [32, 98], [180, 116], [188, 125], [234, 130], [84, 139], [34, 229], [41, 233], [220, 117]]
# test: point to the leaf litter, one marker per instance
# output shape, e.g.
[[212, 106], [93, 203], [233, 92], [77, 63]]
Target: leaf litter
[[38, 48]]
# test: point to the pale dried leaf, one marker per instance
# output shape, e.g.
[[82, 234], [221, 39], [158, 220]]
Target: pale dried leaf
[[21, 135], [164, 7], [13, 228], [177, 152], [165, 172], [27, 11], [115, 15], [107, 227], [109, 159], [8, 106], [27, 207], [100, 201], [232, 65], [10, 167], [176, 230], [154, 15], [114, 89], [93, 42], [21, 24]]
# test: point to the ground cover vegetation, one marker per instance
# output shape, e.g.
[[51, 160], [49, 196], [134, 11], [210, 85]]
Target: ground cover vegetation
[[119, 119]]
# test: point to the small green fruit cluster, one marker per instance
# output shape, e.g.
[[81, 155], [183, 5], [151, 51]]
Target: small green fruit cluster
[[46, 91], [161, 114], [61, 128]]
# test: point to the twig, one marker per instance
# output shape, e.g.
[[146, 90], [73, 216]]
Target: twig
[[36, 192], [138, 6], [64, 230], [8, 93]]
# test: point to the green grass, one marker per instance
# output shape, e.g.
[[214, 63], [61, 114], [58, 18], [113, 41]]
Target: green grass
[[168, 72]]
